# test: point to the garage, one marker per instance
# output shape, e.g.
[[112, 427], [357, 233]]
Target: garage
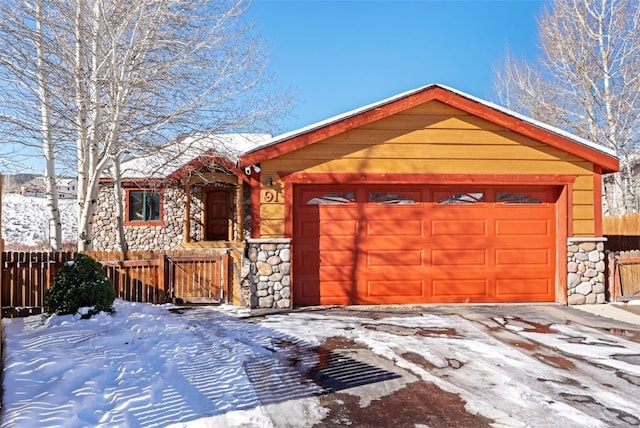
[[381, 244], [429, 196]]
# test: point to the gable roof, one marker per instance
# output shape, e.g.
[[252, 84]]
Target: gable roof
[[190, 153], [555, 137]]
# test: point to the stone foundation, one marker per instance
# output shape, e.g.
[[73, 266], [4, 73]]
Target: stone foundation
[[586, 271], [266, 279]]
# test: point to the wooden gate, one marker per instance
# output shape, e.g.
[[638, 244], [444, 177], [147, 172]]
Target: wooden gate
[[196, 279], [624, 275]]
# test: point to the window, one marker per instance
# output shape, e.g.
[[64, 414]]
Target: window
[[144, 205], [333, 199], [382, 198], [517, 198], [462, 199]]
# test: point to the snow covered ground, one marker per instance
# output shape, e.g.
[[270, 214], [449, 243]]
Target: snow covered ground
[[25, 222], [162, 365]]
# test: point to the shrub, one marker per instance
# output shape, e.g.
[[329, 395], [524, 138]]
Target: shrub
[[80, 284]]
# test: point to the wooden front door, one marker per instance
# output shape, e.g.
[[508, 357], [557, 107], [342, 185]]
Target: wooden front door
[[218, 215]]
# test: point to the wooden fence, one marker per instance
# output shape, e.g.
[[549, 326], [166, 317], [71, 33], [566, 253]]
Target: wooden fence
[[624, 225], [154, 277], [622, 232]]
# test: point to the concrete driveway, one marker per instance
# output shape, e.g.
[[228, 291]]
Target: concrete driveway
[[471, 365]]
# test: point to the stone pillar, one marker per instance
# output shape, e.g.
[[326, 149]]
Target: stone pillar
[[586, 271], [266, 279]]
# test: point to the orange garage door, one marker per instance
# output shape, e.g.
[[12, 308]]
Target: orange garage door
[[372, 244]]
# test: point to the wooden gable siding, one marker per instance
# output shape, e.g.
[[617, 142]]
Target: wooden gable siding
[[432, 138]]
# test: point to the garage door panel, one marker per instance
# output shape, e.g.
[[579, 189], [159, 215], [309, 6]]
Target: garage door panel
[[336, 228], [337, 258], [462, 287], [312, 260], [386, 259], [392, 290], [530, 256], [524, 290], [333, 243], [529, 227], [459, 258], [452, 227], [378, 228]]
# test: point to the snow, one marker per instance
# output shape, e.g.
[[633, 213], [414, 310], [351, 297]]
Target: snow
[[172, 157], [25, 220], [163, 365]]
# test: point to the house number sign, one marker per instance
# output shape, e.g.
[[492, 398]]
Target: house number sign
[[270, 196]]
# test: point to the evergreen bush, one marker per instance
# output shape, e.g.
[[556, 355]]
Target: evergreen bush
[[81, 284]]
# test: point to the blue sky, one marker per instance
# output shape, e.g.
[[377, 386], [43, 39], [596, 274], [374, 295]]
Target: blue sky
[[338, 55]]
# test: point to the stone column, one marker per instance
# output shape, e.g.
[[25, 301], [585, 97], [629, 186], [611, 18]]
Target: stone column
[[586, 271], [266, 279]]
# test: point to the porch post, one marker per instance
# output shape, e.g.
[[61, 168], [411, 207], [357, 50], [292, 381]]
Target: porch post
[[240, 210], [186, 232]]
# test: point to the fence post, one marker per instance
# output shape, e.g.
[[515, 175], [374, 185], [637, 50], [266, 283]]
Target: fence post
[[2, 260], [611, 267], [163, 280]]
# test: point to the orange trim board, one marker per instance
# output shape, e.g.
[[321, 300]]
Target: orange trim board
[[431, 93], [357, 178], [597, 196], [254, 184]]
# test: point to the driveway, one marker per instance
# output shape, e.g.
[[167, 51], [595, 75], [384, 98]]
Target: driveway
[[424, 366], [471, 366]]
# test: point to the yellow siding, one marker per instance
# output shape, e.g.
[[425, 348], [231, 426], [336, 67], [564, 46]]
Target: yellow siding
[[431, 139]]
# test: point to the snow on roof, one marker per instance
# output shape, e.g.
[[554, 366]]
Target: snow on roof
[[167, 159], [552, 129]]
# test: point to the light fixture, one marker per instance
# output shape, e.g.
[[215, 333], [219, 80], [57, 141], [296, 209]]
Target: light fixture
[[269, 181], [247, 170], [256, 168]]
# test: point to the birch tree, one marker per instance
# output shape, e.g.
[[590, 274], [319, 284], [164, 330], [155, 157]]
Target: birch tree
[[28, 92], [586, 80], [127, 77]]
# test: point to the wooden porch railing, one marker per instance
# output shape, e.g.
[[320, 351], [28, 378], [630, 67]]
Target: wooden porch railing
[[153, 277]]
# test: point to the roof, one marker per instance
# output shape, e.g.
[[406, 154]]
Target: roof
[[285, 143], [186, 152]]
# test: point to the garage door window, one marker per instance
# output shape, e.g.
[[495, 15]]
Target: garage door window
[[382, 198], [333, 199], [517, 198], [470, 198]]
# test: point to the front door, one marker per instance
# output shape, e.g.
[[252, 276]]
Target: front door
[[218, 215]]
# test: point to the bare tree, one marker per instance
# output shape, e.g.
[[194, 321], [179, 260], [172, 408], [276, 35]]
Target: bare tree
[[586, 81], [123, 78]]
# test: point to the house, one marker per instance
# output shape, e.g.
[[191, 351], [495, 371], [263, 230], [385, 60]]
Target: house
[[188, 193], [66, 187], [430, 196], [187, 196]]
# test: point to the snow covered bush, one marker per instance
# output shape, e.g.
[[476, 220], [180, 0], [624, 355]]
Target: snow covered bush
[[81, 284]]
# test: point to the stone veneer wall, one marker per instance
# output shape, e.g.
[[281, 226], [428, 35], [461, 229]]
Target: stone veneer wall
[[266, 279], [145, 238], [586, 271]]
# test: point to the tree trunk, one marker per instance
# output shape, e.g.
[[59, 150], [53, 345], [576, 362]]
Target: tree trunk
[[51, 191], [119, 198]]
